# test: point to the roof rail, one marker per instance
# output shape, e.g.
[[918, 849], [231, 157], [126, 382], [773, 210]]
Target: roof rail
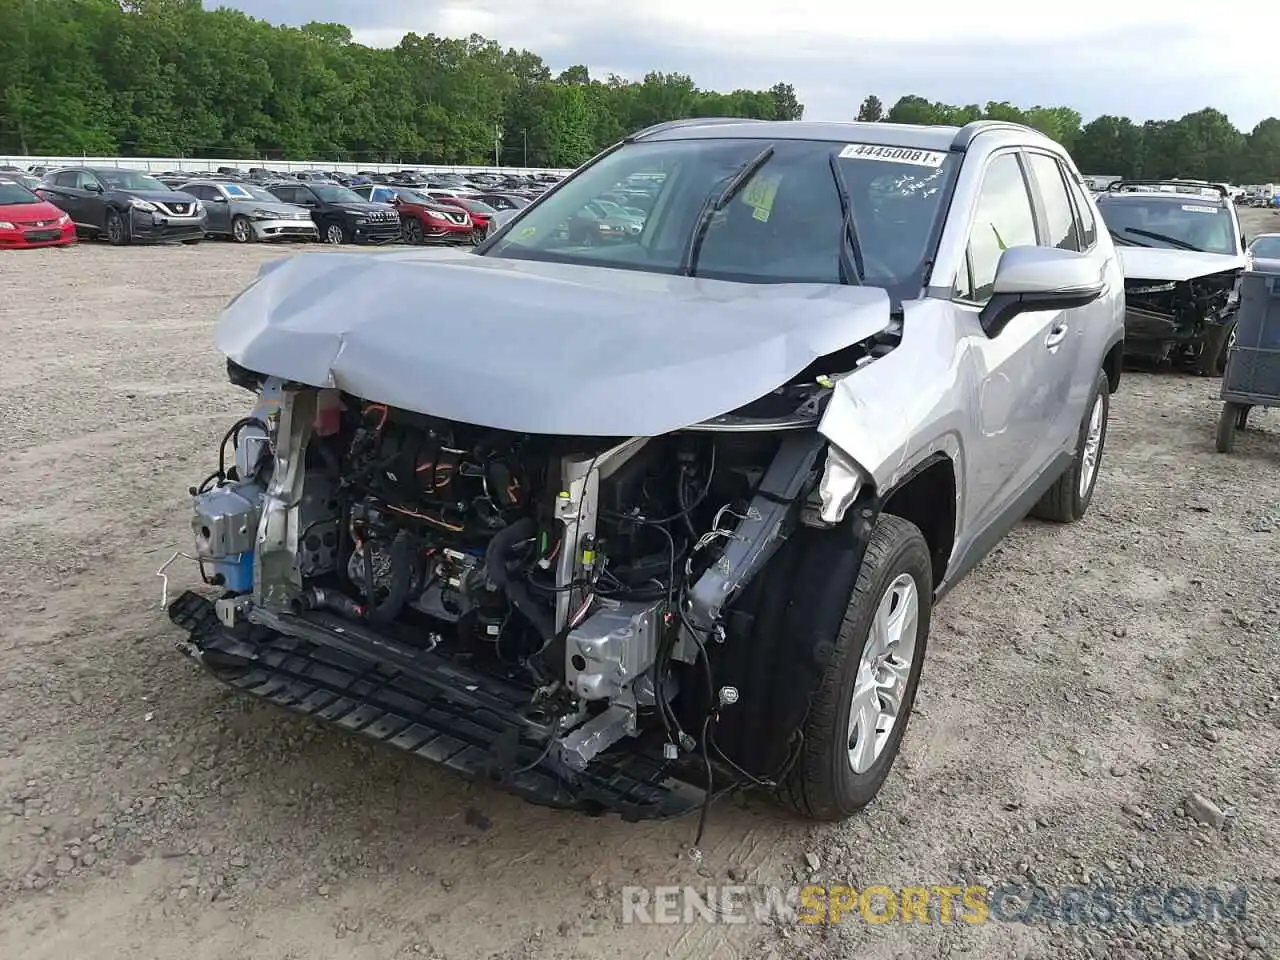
[[966, 134], [687, 122], [1118, 186]]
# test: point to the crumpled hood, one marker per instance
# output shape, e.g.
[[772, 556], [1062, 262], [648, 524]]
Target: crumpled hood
[[1150, 263], [537, 347]]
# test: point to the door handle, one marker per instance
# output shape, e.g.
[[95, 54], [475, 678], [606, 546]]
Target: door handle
[[1056, 336]]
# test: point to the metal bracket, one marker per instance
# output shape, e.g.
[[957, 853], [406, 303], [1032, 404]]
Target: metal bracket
[[164, 577]]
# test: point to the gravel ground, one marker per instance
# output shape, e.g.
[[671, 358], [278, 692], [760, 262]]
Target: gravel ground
[[1082, 685]]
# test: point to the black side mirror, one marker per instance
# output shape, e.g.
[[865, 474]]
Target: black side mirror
[[1039, 278]]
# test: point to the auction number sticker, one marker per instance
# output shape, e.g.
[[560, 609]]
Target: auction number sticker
[[875, 151], [760, 194], [1193, 209]]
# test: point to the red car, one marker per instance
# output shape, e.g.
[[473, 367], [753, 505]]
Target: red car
[[28, 221], [480, 212], [422, 218]]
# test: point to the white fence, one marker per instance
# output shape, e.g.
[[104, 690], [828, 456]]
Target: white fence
[[196, 164]]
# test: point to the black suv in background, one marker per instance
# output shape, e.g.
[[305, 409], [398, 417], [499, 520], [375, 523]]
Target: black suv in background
[[125, 206], [341, 215]]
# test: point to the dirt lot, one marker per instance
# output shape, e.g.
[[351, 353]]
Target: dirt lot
[[1080, 686]]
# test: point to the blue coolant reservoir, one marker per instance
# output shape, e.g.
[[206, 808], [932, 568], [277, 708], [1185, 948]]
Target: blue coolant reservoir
[[236, 572]]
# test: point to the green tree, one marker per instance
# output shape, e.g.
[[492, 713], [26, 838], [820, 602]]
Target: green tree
[[872, 110]]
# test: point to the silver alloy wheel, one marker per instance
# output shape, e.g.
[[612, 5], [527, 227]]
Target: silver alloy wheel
[[1092, 447], [881, 682], [333, 233], [241, 230]]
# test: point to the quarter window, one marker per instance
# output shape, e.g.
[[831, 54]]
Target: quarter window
[[1003, 219], [1059, 219]]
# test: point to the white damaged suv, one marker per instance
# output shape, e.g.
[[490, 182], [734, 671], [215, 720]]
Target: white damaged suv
[[621, 521]]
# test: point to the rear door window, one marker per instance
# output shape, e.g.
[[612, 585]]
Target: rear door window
[[1059, 226]]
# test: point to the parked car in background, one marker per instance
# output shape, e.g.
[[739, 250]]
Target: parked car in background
[[1183, 254], [246, 212], [27, 220], [1264, 251], [125, 206], [26, 179], [422, 218], [340, 215], [504, 201], [480, 211]]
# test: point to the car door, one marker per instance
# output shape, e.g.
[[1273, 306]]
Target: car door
[[1013, 398], [62, 190], [93, 199], [1067, 384], [218, 216]]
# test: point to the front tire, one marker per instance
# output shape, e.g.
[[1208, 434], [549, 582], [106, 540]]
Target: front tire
[[335, 233], [1230, 420], [117, 230], [1067, 501], [1213, 354], [859, 713], [411, 231], [242, 230]]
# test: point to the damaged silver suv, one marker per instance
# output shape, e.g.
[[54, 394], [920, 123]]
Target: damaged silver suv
[[622, 519]]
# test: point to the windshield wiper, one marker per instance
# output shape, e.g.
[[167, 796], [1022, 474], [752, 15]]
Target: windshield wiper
[[852, 268], [1123, 239], [714, 204], [1182, 244]]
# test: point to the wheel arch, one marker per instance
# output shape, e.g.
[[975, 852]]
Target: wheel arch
[[1113, 365], [928, 497]]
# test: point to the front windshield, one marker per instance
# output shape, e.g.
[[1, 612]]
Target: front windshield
[[783, 224], [1266, 248], [130, 180], [258, 193], [412, 196], [11, 193], [332, 193], [1180, 223]]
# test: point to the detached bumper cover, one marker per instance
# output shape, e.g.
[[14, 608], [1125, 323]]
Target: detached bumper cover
[[467, 721]]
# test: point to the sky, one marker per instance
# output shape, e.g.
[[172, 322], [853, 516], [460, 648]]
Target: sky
[[1144, 59]]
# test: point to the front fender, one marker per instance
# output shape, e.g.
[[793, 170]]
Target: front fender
[[891, 414]]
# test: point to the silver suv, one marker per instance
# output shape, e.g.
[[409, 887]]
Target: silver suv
[[619, 519]]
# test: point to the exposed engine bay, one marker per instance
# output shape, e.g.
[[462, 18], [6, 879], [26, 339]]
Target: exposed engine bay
[[587, 578], [1168, 320]]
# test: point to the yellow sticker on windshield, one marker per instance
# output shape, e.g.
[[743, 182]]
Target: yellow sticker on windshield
[[526, 233], [760, 194]]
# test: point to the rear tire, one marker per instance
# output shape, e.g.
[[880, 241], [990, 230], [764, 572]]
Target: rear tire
[[837, 773], [1067, 501]]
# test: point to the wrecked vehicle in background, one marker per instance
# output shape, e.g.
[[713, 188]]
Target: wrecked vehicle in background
[[1183, 254], [620, 527]]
